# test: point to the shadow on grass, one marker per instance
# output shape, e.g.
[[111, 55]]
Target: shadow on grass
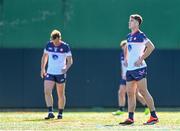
[[111, 125], [36, 120], [92, 109], [43, 120]]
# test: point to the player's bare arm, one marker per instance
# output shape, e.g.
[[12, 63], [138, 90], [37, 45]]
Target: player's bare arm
[[68, 64], [149, 48], [44, 61]]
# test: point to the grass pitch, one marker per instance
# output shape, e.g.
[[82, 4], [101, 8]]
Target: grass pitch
[[86, 119]]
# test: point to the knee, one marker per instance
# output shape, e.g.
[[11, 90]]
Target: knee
[[47, 91], [130, 93], [121, 92], [61, 95], [143, 92]]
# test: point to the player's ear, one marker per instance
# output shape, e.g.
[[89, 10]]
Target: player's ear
[[137, 23]]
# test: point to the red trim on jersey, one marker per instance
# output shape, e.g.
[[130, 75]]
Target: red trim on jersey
[[60, 43], [135, 32]]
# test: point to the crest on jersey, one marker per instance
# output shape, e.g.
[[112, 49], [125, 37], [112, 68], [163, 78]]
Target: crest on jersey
[[61, 49], [134, 38], [55, 57]]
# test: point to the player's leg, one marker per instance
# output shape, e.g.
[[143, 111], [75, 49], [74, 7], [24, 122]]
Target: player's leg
[[61, 98], [60, 85], [141, 99], [142, 87], [48, 87], [131, 92], [121, 99]]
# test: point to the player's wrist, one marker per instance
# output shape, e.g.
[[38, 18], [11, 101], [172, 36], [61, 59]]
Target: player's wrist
[[68, 66], [42, 68], [142, 58]]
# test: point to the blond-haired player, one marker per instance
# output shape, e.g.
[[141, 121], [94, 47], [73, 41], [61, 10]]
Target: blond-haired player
[[58, 58]]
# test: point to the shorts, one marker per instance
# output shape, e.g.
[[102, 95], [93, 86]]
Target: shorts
[[122, 82], [56, 78], [136, 75]]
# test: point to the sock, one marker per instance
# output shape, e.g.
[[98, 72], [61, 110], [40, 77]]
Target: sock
[[153, 114], [50, 109], [131, 115], [121, 108], [60, 112]]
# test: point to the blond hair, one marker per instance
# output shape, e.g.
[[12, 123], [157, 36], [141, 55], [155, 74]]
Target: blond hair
[[55, 32]]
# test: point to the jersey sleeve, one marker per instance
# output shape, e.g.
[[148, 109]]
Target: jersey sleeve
[[68, 51], [127, 37], [145, 39], [45, 51], [46, 48]]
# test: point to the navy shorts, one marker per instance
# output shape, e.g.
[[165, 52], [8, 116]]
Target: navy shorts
[[137, 74], [122, 82], [56, 78]]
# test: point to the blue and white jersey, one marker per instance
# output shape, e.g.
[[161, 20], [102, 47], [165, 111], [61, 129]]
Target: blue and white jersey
[[136, 44], [57, 57], [123, 67]]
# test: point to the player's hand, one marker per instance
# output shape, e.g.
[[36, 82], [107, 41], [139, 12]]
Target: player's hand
[[43, 73], [138, 62], [64, 70], [125, 63]]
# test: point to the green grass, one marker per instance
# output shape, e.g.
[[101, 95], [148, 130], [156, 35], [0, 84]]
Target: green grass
[[85, 119]]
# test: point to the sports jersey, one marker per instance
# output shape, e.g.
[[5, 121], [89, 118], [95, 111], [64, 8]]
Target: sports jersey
[[136, 44], [57, 57], [123, 68]]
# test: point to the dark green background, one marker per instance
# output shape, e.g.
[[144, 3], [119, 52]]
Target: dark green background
[[87, 23], [93, 28]]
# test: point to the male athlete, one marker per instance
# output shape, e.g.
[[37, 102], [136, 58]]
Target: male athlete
[[139, 47], [57, 55], [122, 87]]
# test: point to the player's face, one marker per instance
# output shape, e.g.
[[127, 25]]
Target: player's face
[[132, 23], [56, 40]]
